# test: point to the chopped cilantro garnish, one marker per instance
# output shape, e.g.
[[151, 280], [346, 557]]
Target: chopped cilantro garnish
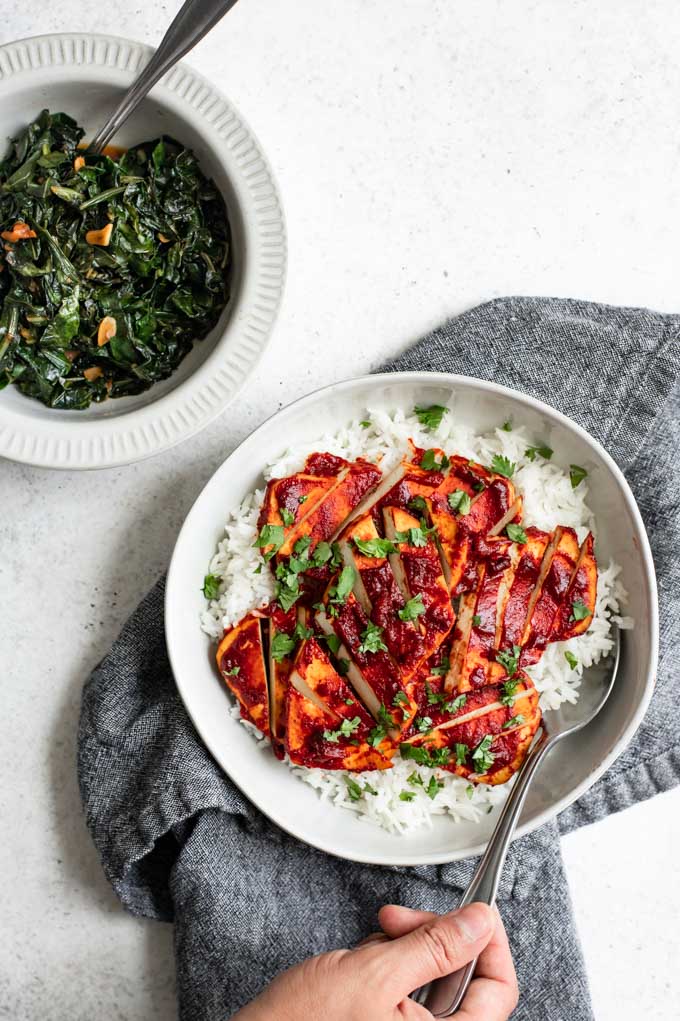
[[407, 795], [514, 721], [322, 554], [415, 779], [287, 517], [482, 756], [371, 639], [418, 505], [258, 569], [543, 451], [430, 417], [353, 788], [282, 645], [509, 689], [301, 547], [211, 586], [301, 499], [571, 659], [370, 790], [400, 699], [459, 501], [502, 466], [350, 701], [414, 536], [455, 704], [271, 535], [476, 620], [461, 753], [339, 592], [375, 547], [423, 756], [517, 534], [333, 643], [365, 423], [423, 724], [346, 729], [479, 486], [507, 426], [343, 667], [579, 610], [301, 632], [413, 609], [469, 790], [434, 787], [509, 660], [443, 668], [234, 672], [576, 475]]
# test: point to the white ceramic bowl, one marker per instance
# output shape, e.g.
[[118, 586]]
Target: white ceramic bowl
[[83, 75], [574, 765]]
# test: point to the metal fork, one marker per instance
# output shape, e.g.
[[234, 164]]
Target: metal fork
[[444, 996], [194, 20]]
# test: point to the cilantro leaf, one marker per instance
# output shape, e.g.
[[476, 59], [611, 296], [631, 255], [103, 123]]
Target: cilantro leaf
[[340, 591], [353, 788], [365, 423], [430, 417], [333, 643], [507, 426], [423, 756], [322, 554], [579, 610], [509, 689], [459, 501], [211, 586], [343, 667], [415, 779], [418, 505], [301, 632], [287, 517], [442, 669], [502, 466], [413, 609], [282, 645], [455, 704], [482, 756], [400, 699], [375, 547], [370, 790], [571, 659], [517, 534], [509, 660], [469, 791], [514, 721], [371, 639], [407, 795], [433, 788], [576, 475], [423, 724], [462, 751], [234, 672], [271, 535], [542, 451], [476, 620]]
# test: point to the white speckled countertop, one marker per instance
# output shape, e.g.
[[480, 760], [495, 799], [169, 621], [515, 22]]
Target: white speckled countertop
[[431, 155]]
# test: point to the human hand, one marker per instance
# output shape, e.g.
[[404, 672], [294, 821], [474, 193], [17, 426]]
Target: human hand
[[374, 980]]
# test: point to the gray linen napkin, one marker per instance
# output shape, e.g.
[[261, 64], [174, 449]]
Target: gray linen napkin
[[180, 843]]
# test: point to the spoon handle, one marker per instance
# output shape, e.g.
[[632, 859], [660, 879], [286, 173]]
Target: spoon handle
[[444, 996], [194, 20]]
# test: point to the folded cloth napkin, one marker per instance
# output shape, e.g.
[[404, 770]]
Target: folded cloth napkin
[[180, 843]]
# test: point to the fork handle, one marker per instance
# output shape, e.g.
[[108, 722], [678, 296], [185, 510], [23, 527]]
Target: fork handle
[[194, 20], [443, 996]]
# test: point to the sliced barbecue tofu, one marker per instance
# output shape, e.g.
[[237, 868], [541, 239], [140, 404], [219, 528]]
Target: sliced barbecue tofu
[[370, 669], [578, 606], [281, 650], [241, 662], [488, 736], [470, 501], [535, 556], [419, 573], [557, 576], [376, 588], [326, 725]]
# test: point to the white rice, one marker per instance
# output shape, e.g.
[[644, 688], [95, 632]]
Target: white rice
[[549, 500]]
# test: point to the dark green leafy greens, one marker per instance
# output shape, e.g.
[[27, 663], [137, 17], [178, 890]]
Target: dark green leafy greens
[[161, 281]]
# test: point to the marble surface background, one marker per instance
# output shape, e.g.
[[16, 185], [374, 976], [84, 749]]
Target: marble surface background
[[432, 154]]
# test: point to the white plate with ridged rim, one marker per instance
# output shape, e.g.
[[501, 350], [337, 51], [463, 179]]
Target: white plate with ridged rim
[[294, 806], [82, 75]]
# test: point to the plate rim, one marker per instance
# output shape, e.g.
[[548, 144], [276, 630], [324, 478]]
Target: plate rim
[[143, 432], [454, 380]]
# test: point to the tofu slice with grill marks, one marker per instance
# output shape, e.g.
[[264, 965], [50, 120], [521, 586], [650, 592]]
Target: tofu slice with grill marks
[[241, 663], [419, 572], [319, 702], [279, 670], [526, 583], [582, 593], [557, 576], [377, 590]]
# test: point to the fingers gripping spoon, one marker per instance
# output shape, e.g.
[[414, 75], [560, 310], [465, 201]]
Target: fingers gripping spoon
[[444, 996]]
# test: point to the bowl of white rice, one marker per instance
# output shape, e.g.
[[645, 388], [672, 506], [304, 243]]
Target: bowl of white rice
[[373, 417]]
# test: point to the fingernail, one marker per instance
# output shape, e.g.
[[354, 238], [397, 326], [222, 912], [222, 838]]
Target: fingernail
[[475, 921]]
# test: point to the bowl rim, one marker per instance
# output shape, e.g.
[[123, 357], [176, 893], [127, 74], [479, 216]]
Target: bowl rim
[[455, 381], [65, 443]]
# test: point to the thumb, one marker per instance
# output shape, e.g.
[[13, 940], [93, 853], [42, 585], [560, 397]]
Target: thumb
[[438, 947]]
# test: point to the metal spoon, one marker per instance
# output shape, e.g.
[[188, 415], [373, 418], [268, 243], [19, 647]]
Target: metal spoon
[[194, 20], [445, 995]]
